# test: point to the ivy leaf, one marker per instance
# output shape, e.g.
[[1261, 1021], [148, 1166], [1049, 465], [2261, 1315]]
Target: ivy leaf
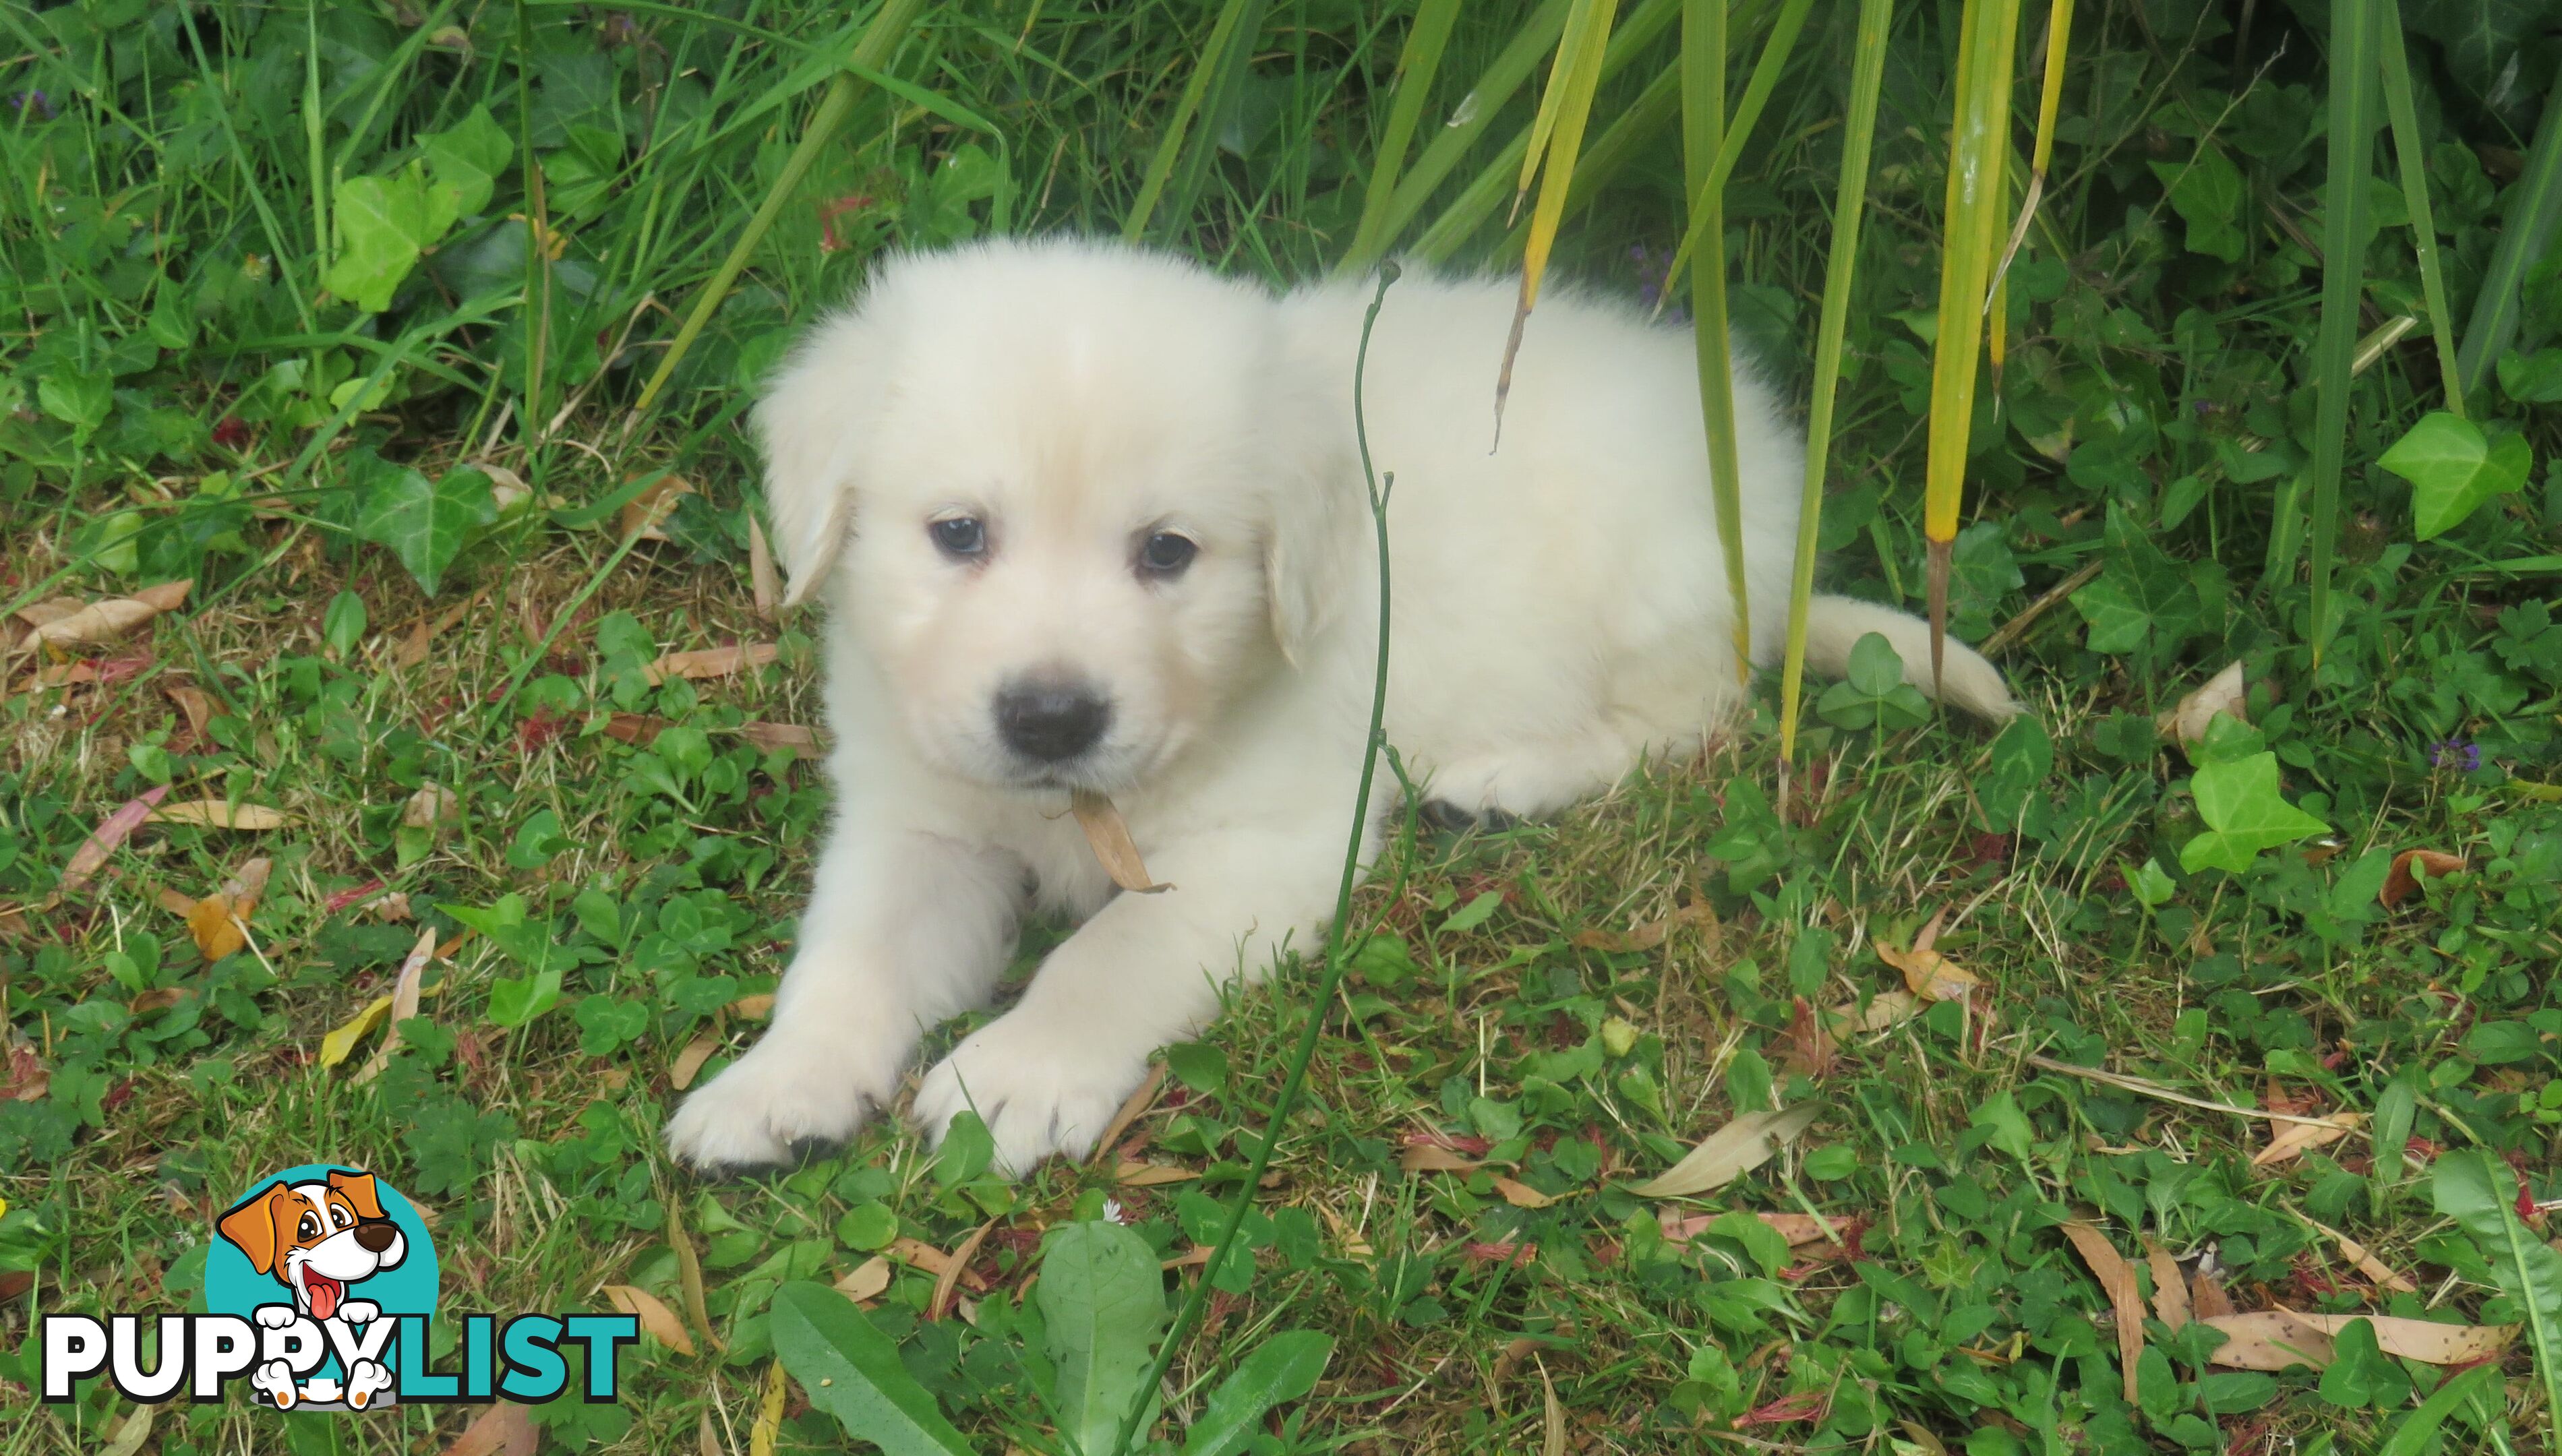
[[2532, 379], [79, 398], [2245, 815], [2143, 604], [423, 523], [2207, 195], [382, 229], [2452, 469], [468, 159]]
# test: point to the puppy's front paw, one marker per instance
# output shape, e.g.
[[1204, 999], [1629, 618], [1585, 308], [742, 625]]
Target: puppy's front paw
[[786, 1090], [359, 1311], [1040, 1089], [276, 1316]]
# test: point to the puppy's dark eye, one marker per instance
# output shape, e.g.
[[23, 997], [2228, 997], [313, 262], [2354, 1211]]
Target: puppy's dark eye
[[1166, 554], [960, 536], [309, 1228]]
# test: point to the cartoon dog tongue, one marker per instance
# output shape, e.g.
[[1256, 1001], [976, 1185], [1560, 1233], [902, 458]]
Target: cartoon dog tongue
[[325, 1293]]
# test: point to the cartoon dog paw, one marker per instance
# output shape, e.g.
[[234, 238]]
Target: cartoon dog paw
[[366, 1380], [276, 1316], [360, 1311], [276, 1377]]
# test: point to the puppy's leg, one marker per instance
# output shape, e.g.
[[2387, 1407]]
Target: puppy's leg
[[1048, 1075], [904, 930]]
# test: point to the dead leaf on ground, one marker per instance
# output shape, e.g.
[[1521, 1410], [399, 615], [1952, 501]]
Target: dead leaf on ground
[[130, 1432], [1522, 1195], [917, 1253], [2185, 724], [771, 736], [217, 921], [51, 609], [654, 1315], [1649, 935], [1109, 834], [506, 487], [1930, 976], [432, 805], [1809, 1044], [105, 621], [24, 1077], [2170, 1286], [1886, 1009], [1799, 1229], [689, 1062], [1137, 1175], [754, 1008], [406, 989], [2206, 1297], [2125, 1296], [158, 998], [503, 1429], [689, 1275], [1433, 1157], [711, 662], [1728, 1153], [644, 515], [2382, 1274], [1132, 1107], [1553, 1442], [769, 1413], [420, 640], [2272, 1339], [954, 1267], [867, 1280], [637, 729], [2401, 882], [2292, 1140], [191, 701], [221, 814], [91, 855], [342, 1041], [762, 580], [1347, 1236]]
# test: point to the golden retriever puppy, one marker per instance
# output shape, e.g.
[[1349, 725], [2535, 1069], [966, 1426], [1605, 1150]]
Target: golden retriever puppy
[[1088, 518]]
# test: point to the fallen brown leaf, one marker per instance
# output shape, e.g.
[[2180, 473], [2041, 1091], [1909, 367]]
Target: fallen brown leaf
[[2382, 1274], [1887, 1008], [771, 736], [91, 855], [1809, 1042], [711, 662], [1648, 935], [689, 1275], [762, 580], [2185, 724], [221, 814], [689, 1062], [769, 1413], [218, 922], [645, 514], [105, 621], [1137, 1175], [1522, 1195], [2125, 1297], [954, 1267], [2292, 1140], [1728, 1153], [405, 993], [1433, 1157], [2401, 884], [654, 1315], [2206, 1297], [1552, 1418], [2272, 1339], [1930, 976], [24, 1077], [191, 701], [866, 1280], [51, 609], [1132, 1107], [917, 1253], [432, 805], [503, 1429], [1799, 1229], [158, 998], [754, 1008], [2170, 1286], [1109, 836], [420, 640]]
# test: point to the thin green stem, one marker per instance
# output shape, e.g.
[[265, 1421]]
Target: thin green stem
[[2353, 68], [1332, 958]]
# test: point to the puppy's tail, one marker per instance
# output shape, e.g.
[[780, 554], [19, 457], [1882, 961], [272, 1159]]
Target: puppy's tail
[[1835, 624]]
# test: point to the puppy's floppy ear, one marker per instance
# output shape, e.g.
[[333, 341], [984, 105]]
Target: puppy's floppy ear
[[251, 1227], [359, 1188], [807, 423], [1309, 548]]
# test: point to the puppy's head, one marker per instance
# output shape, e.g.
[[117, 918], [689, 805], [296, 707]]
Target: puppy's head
[[1074, 499], [317, 1237]]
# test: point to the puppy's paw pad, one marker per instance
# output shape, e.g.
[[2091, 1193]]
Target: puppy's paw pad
[[1039, 1091], [777, 1095]]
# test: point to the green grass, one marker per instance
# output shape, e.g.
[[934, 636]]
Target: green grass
[[1572, 1005]]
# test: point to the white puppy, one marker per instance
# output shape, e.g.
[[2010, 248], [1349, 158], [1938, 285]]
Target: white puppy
[[1092, 518]]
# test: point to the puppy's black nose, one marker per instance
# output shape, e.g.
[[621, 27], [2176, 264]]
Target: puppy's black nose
[[376, 1237], [1051, 721]]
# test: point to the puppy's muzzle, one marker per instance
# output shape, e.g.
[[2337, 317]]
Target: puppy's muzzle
[[1049, 720]]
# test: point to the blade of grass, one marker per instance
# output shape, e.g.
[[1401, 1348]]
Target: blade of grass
[[880, 39], [1703, 98], [1485, 100], [1223, 35], [1756, 94], [1484, 193], [2050, 101], [1552, 99], [1416, 66], [2405, 117], [1577, 75], [2353, 69], [1979, 148], [1850, 203], [2534, 208], [1218, 104]]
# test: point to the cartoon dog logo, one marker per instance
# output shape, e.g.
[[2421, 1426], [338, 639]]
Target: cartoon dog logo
[[319, 1239]]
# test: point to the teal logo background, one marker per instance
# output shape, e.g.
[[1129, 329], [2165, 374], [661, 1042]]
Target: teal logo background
[[233, 1285]]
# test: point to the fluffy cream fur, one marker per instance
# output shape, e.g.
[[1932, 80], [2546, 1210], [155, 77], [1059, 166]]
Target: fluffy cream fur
[[1561, 613]]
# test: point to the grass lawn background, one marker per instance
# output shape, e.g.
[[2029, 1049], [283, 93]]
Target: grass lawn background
[[423, 624]]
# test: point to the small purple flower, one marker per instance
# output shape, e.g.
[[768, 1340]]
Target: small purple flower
[[1653, 272], [21, 100], [2458, 754]]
